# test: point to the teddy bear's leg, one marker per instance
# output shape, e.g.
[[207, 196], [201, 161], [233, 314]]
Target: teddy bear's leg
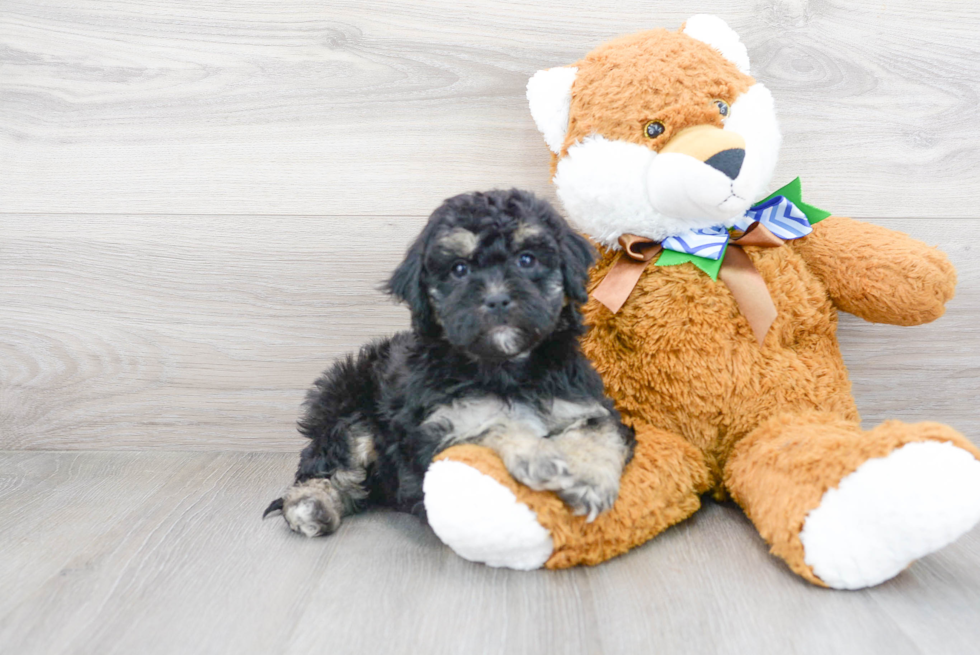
[[482, 513], [850, 509]]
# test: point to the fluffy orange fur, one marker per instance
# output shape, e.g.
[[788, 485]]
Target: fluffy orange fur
[[607, 100], [773, 427]]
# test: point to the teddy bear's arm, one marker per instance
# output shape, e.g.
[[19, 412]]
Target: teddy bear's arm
[[878, 274]]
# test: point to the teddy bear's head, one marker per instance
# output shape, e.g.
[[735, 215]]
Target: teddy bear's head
[[658, 133]]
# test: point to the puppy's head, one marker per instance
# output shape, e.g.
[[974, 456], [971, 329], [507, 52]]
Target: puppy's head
[[494, 274]]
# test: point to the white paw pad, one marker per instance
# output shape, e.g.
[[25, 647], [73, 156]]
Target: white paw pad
[[891, 511], [481, 520]]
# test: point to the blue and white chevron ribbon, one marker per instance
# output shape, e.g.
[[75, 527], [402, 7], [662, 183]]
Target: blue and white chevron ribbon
[[779, 214], [782, 217], [706, 242]]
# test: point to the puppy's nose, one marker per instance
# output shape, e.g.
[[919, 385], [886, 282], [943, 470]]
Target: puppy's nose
[[728, 161], [496, 302]]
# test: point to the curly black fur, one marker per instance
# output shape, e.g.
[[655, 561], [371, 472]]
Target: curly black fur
[[494, 283]]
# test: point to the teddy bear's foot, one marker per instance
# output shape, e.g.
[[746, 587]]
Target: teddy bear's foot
[[481, 519], [478, 509], [847, 508], [891, 511]]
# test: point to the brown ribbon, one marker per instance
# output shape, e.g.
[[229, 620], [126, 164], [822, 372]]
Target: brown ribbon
[[616, 287], [749, 290], [737, 272]]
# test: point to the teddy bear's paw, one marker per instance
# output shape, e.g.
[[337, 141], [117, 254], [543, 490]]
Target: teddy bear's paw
[[312, 508], [481, 519], [891, 511]]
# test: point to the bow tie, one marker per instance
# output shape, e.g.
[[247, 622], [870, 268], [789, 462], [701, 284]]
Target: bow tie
[[778, 215], [781, 217]]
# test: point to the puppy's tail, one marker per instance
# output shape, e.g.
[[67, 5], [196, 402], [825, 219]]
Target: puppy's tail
[[274, 506]]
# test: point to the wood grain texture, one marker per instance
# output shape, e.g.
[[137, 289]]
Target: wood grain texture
[[370, 107], [149, 553], [203, 332], [198, 202], [117, 330]]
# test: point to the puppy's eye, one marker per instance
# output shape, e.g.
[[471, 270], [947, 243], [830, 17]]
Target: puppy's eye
[[723, 107], [460, 269], [653, 129], [526, 260]]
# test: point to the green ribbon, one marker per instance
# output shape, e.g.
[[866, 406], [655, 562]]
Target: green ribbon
[[792, 192]]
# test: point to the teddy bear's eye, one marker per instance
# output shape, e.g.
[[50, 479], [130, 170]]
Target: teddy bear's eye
[[654, 129], [723, 107]]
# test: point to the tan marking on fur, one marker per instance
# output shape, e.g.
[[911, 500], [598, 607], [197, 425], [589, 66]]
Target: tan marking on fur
[[476, 416], [526, 231], [313, 507], [596, 454], [565, 413], [470, 418], [349, 484], [363, 451], [594, 446], [531, 459], [556, 286], [459, 241]]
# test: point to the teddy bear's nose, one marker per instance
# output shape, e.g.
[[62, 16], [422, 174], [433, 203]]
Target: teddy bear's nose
[[728, 161]]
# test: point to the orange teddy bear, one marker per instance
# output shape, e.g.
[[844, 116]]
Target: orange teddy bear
[[713, 323]]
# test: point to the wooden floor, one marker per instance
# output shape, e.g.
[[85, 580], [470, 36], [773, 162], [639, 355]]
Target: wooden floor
[[198, 202], [124, 552]]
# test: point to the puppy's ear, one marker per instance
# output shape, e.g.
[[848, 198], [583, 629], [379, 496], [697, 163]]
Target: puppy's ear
[[577, 256], [407, 285]]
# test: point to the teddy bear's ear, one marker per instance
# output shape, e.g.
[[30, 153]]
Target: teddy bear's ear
[[716, 33], [549, 94]]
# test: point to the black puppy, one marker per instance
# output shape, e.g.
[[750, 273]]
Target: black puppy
[[494, 283]]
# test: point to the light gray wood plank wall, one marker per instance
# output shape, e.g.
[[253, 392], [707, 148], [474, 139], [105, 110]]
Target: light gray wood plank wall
[[369, 107], [136, 332], [194, 327]]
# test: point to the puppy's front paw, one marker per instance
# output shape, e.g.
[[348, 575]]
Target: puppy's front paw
[[542, 468], [312, 508], [589, 498], [589, 487]]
